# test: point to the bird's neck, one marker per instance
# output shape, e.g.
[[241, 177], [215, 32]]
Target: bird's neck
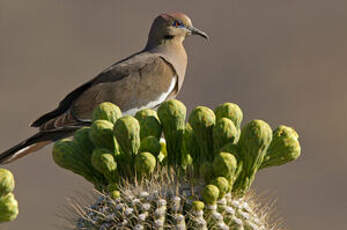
[[174, 53]]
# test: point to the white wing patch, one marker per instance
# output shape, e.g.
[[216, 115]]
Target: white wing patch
[[156, 102]]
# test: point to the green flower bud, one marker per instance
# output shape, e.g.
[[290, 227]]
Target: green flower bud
[[188, 147], [83, 141], [149, 123], [6, 182], [225, 165], [107, 111], [103, 161], [163, 151], [145, 163], [172, 114], [232, 112], [115, 194], [66, 155], [8, 208], [222, 184], [202, 120], [254, 141], [198, 205], [284, 147], [210, 194], [101, 134], [150, 144], [234, 150], [127, 132], [224, 132]]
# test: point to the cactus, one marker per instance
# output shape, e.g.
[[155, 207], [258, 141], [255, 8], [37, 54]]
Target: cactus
[[127, 132], [198, 177], [189, 148], [225, 165], [103, 161], [8, 203], [101, 134], [145, 163], [106, 111], [284, 147], [202, 120], [150, 144], [224, 132], [67, 155], [172, 114], [8, 208], [84, 144], [232, 112], [222, 184], [254, 141], [210, 194], [149, 123], [6, 182], [154, 205]]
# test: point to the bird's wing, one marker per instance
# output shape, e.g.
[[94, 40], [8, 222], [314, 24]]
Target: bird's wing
[[130, 83]]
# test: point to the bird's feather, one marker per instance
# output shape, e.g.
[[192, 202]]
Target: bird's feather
[[131, 83]]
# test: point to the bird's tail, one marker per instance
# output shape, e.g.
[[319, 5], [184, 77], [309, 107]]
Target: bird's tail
[[34, 143]]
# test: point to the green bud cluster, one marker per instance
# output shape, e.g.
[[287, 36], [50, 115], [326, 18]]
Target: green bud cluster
[[212, 153], [8, 203]]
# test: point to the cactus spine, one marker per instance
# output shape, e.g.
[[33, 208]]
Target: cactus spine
[[197, 178]]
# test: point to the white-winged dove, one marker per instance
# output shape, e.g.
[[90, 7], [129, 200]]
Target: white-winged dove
[[142, 80]]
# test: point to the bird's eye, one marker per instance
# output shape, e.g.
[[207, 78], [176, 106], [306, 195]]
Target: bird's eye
[[177, 24]]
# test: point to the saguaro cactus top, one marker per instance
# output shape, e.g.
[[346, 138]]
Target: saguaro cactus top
[[196, 178]]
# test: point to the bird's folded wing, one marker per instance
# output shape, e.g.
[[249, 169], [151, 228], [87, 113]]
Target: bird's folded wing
[[130, 83]]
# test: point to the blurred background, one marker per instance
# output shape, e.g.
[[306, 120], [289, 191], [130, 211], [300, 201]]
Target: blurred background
[[281, 61]]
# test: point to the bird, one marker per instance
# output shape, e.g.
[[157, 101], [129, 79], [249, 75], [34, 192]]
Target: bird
[[145, 79]]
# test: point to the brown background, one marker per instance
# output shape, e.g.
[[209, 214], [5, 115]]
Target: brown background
[[281, 61]]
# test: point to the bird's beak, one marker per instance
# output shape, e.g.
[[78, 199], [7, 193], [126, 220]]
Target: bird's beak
[[196, 31]]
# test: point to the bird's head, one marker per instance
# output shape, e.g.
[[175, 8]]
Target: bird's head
[[173, 26]]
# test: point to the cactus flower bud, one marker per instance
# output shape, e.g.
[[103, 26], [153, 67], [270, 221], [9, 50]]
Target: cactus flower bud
[[198, 206], [225, 165], [150, 144], [202, 120], [115, 194], [6, 182], [149, 123], [222, 184], [103, 161], [189, 147], [101, 134], [145, 163], [8, 208], [66, 155], [107, 111], [284, 147], [172, 114], [163, 151], [254, 141], [224, 132], [83, 141], [232, 112], [210, 194], [127, 132]]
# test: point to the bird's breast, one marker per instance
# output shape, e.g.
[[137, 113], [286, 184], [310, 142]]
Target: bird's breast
[[154, 100]]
